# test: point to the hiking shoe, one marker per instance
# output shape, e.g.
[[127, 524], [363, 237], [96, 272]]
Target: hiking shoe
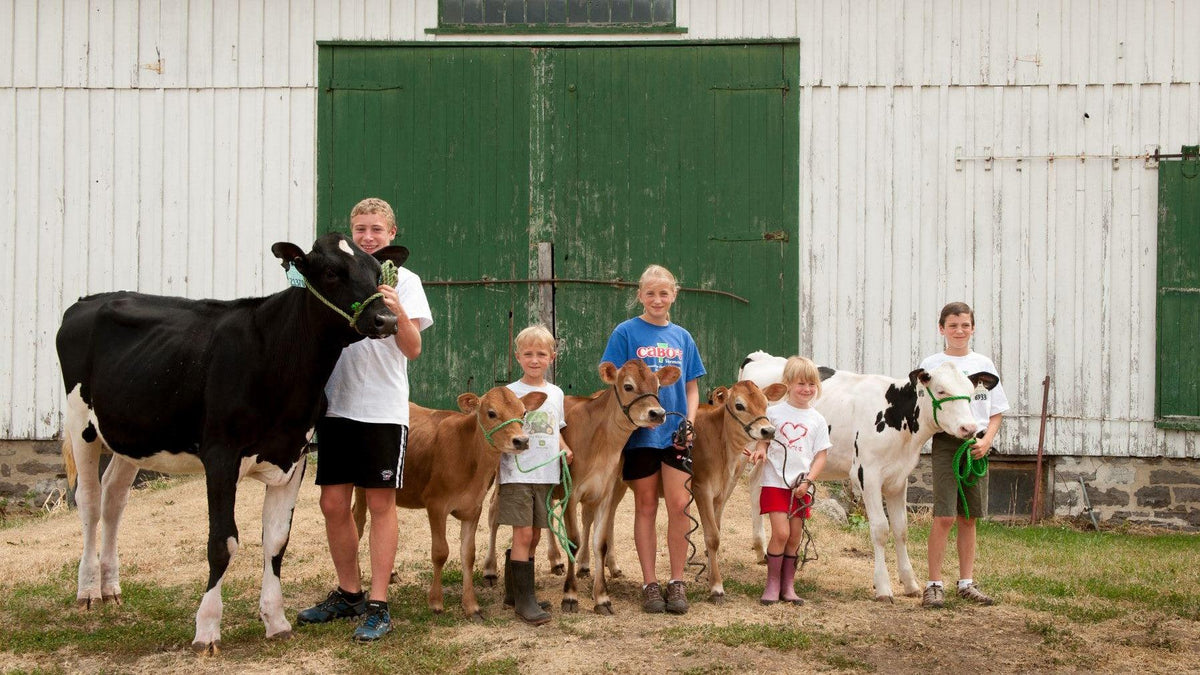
[[337, 606], [376, 622], [971, 593], [676, 598], [934, 597], [652, 599]]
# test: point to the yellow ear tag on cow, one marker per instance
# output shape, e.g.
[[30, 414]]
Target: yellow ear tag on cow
[[294, 277]]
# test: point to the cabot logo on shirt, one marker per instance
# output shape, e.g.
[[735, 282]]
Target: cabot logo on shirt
[[659, 351]]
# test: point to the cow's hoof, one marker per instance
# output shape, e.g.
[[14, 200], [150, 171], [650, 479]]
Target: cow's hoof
[[207, 648], [85, 603], [616, 573], [570, 606], [281, 635], [716, 597], [885, 598], [490, 580], [476, 617], [115, 599], [558, 570], [583, 572], [604, 609], [912, 594]]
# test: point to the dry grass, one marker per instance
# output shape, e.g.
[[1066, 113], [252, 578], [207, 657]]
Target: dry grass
[[1070, 600]]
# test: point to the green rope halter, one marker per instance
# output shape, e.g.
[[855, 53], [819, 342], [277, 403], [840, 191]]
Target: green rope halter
[[488, 433], [387, 277], [937, 404], [968, 471]]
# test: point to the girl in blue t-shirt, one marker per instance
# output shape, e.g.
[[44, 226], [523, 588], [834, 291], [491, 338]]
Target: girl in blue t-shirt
[[650, 456]]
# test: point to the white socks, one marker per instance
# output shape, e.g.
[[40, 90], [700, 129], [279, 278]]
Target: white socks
[[963, 583], [933, 583]]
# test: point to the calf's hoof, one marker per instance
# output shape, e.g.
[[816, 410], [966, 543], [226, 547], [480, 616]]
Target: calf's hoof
[[476, 617], [570, 606], [604, 609], [115, 599], [281, 635], [912, 594], [558, 570], [885, 598], [615, 572], [207, 648], [490, 580], [716, 597], [583, 572], [86, 603]]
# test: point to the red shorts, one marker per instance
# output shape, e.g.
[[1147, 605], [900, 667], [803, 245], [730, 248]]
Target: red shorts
[[780, 500]]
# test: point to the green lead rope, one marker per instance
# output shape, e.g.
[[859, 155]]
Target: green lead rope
[[556, 512], [968, 471], [387, 277]]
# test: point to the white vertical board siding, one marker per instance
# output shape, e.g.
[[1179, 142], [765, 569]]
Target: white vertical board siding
[[163, 146]]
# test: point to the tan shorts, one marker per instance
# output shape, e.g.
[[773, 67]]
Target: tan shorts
[[523, 504], [946, 501]]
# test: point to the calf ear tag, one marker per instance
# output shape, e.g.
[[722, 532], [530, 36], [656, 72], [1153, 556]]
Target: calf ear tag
[[294, 277]]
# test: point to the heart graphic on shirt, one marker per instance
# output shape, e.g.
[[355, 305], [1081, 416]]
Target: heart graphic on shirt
[[792, 432]]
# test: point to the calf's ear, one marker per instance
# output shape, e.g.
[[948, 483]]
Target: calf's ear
[[775, 391], [988, 380], [608, 372], [534, 400], [668, 376], [397, 254], [918, 376], [717, 396], [287, 252], [468, 402]]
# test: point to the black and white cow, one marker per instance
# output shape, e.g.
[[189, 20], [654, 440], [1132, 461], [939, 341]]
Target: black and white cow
[[877, 425], [227, 388]]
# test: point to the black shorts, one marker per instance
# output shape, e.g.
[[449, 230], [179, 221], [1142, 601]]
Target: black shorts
[[366, 454], [643, 462]]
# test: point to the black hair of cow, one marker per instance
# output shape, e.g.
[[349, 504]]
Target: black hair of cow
[[902, 410]]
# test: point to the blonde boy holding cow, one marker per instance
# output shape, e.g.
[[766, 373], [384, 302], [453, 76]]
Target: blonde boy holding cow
[[527, 479]]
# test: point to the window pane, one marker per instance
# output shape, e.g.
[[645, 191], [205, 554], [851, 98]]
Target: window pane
[[641, 11], [535, 11], [472, 11], [620, 11], [664, 11], [577, 11], [555, 12], [451, 11], [493, 11]]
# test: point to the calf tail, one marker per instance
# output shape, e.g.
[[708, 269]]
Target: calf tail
[[68, 453]]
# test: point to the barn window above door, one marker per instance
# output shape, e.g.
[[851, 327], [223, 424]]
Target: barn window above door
[[556, 16]]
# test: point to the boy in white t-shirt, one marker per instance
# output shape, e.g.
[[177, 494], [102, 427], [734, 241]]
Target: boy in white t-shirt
[[362, 438], [795, 458], [988, 403], [527, 479]]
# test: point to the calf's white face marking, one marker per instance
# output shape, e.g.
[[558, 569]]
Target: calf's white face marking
[[346, 248]]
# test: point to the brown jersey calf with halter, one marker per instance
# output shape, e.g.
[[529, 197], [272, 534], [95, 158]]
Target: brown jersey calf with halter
[[450, 462]]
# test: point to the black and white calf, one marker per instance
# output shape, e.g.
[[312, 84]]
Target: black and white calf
[[877, 425], [227, 388]]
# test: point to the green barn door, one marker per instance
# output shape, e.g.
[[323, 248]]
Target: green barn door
[[610, 157], [685, 156], [1178, 397]]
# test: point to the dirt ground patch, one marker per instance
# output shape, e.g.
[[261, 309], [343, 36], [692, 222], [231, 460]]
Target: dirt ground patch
[[162, 542]]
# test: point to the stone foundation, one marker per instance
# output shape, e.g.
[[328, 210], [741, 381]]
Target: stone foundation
[[1150, 491], [31, 469]]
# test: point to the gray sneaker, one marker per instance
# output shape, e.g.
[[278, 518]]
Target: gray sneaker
[[971, 593], [934, 597], [652, 599], [337, 606], [676, 598]]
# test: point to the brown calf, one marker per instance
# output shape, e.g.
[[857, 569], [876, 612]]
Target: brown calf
[[597, 429], [451, 461], [736, 417]]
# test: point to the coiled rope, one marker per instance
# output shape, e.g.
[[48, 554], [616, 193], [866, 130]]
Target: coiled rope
[[968, 471]]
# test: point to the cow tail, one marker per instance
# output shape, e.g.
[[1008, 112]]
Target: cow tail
[[68, 453]]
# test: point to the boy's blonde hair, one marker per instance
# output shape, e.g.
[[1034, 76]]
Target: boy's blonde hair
[[375, 205], [536, 335], [803, 370]]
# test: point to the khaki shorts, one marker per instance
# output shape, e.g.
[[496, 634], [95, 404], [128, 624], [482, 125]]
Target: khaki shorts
[[946, 501], [523, 504]]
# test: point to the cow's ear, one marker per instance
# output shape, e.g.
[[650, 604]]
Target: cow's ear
[[534, 400], [287, 252], [775, 391], [918, 376], [608, 372], [717, 396], [668, 375], [468, 402], [988, 380], [397, 254]]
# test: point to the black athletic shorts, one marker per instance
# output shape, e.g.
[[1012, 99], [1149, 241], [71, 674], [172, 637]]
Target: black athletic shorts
[[643, 462], [366, 454]]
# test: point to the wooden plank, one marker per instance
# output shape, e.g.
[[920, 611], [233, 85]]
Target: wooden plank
[[199, 210], [226, 45], [153, 273], [352, 19], [76, 185], [9, 176], [172, 45], [905, 192], [176, 166], [124, 45], [226, 186], [201, 44], [410, 18], [47, 280], [251, 35], [25, 265], [24, 43], [301, 219], [250, 212], [49, 43], [302, 50], [148, 61], [328, 20], [276, 148], [74, 45], [276, 39], [102, 157]]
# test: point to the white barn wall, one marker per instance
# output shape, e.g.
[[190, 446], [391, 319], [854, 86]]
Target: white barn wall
[[163, 146]]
